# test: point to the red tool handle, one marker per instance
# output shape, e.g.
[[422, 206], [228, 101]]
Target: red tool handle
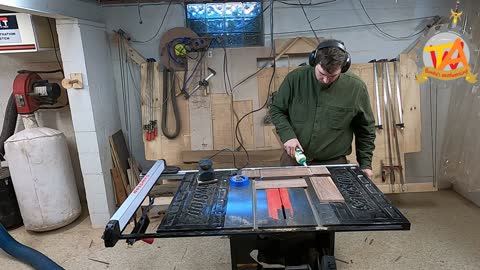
[[148, 240]]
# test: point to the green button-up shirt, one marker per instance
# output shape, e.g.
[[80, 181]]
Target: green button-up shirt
[[324, 119]]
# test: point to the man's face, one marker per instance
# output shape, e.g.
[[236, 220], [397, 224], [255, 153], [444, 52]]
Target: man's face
[[324, 77]]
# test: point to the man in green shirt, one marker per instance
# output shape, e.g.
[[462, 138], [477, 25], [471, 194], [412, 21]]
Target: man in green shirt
[[318, 108]]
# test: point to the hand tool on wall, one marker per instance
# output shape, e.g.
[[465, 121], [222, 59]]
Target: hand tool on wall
[[203, 83], [379, 124], [399, 167], [398, 96], [387, 122]]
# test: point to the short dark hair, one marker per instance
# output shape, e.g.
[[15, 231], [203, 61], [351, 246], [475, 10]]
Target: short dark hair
[[331, 59]]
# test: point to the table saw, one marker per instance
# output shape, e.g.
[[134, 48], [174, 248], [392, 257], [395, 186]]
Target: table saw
[[268, 226]]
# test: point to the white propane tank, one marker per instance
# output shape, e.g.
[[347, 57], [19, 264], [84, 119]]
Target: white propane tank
[[42, 177]]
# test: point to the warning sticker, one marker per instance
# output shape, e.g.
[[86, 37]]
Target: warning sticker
[[9, 32]]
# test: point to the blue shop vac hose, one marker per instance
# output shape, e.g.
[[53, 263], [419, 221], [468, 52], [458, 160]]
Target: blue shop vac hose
[[23, 253]]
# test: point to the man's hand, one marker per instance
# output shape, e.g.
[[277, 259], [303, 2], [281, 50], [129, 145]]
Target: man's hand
[[369, 173], [291, 145]]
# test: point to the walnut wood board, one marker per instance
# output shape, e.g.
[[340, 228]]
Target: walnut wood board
[[319, 170], [284, 183], [284, 172], [326, 190]]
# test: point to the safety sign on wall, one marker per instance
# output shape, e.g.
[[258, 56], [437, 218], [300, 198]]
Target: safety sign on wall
[[9, 31]]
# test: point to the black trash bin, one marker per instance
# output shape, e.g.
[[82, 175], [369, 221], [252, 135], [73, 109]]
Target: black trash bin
[[9, 212]]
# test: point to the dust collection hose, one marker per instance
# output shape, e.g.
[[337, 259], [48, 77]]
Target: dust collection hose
[[170, 77], [9, 123], [25, 254]]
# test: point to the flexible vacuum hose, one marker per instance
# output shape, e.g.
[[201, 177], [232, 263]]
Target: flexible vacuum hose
[[170, 77], [25, 254], [9, 123]]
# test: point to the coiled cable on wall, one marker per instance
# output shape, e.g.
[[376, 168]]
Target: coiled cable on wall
[[169, 88]]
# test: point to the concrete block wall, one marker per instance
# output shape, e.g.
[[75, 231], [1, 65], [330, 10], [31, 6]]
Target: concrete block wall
[[84, 46], [59, 119]]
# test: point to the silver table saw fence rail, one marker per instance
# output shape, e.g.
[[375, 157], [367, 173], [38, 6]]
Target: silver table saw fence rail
[[127, 210]]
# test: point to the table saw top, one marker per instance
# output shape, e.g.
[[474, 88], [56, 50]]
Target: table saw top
[[223, 209]]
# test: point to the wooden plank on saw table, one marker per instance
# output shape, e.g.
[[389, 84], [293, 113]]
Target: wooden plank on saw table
[[326, 190], [319, 170], [222, 121], [284, 183], [284, 172], [255, 173]]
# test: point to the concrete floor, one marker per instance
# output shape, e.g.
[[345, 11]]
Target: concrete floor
[[445, 234]]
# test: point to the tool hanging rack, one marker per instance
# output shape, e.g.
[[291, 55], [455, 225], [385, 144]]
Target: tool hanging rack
[[150, 123], [395, 126], [392, 107]]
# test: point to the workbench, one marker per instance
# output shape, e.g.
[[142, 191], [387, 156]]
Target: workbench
[[297, 233]]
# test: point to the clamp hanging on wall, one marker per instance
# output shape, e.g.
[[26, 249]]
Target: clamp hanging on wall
[[150, 123]]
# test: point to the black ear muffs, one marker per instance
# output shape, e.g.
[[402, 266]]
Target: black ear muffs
[[312, 59]]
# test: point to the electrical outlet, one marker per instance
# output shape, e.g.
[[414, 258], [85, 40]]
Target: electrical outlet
[[209, 53]]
